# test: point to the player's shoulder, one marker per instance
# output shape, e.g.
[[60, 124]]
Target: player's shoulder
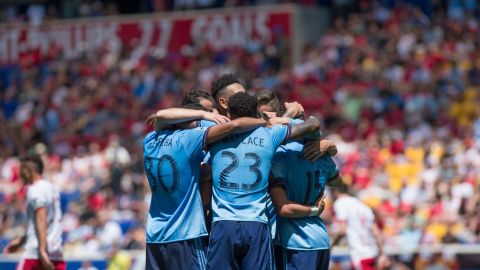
[[293, 146], [326, 160], [343, 201], [288, 150], [189, 133], [263, 132], [274, 131], [155, 135], [275, 128], [42, 184], [156, 141], [352, 203], [296, 121], [191, 130], [205, 123], [149, 137], [39, 188]]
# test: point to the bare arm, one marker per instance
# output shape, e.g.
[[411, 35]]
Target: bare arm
[[238, 125], [15, 244], [383, 261], [340, 233], [312, 136], [172, 116], [315, 149], [287, 208], [206, 186], [310, 125], [41, 228], [378, 237], [336, 182]]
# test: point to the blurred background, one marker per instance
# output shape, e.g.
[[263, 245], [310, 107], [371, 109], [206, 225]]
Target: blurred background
[[396, 84]]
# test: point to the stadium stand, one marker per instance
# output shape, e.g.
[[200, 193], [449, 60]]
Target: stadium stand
[[397, 91]]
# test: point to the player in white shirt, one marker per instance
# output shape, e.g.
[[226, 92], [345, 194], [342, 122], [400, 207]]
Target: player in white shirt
[[43, 240], [356, 221]]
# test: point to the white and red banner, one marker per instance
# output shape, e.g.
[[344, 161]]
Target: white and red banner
[[161, 32]]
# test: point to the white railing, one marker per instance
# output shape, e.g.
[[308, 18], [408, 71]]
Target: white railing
[[451, 249]]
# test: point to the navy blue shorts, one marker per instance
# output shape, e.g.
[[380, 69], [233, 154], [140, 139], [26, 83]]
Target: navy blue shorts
[[289, 259], [183, 255], [239, 245]]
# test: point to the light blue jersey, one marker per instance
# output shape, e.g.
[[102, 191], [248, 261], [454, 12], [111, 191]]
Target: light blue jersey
[[172, 165], [304, 183], [271, 214], [205, 123], [240, 169]]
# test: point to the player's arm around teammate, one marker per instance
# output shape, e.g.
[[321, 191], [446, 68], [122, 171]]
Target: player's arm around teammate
[[315, 146], [163, 118], [289, 209], [271, 108], [224, 128], [176, 242]]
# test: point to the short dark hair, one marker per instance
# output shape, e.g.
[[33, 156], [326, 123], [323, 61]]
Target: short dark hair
[[242, 105], [194, 106], [269, 97], [221, 83], [342, 189], [194, 96], [34, 160]]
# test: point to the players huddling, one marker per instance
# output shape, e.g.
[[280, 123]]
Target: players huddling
[[228, 168], [237, 182]]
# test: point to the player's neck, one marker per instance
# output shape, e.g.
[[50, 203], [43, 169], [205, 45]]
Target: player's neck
[[36, 178], [223, 112]]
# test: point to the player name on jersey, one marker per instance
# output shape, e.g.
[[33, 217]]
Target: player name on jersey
[[244, 139], [167, 141]]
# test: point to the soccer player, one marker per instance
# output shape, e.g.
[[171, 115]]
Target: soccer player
[[357, 222], [297, 183], [270, 106], [222, 89], [227, 85], [199, 97], [43, 241], [175, 223], [240, 238]]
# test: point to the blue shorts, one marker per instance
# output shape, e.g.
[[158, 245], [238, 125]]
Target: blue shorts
[[289, 259], [239, 245], [183, 255]]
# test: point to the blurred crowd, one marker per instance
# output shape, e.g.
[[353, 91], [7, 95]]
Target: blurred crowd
[[399, 95], [35, 12], [396, 90]]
